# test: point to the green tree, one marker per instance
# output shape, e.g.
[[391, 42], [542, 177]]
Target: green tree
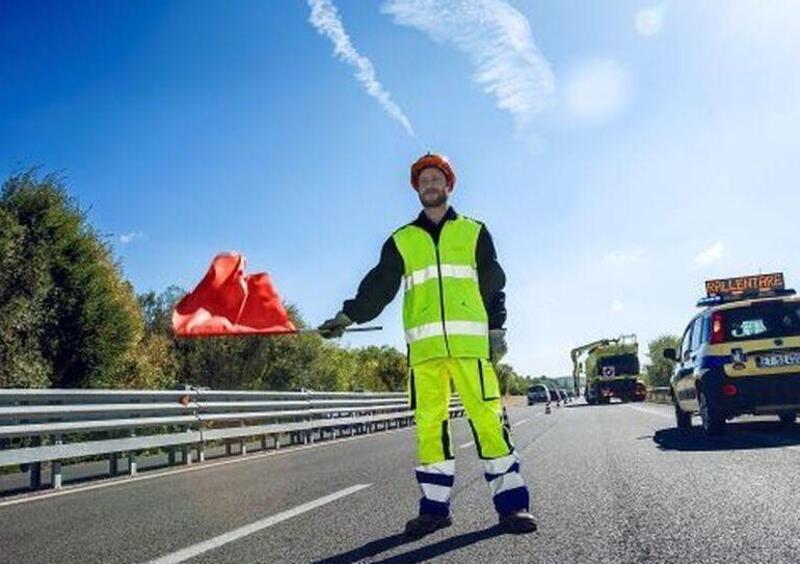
[[382, 368], [659, 371], [23, 289], [69, 319], [510, 382]]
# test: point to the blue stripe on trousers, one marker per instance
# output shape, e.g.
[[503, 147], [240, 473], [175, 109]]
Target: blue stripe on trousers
[[435, 478]]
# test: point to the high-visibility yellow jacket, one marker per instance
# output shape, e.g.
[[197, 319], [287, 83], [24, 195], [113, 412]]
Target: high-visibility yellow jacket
[[443, 312]]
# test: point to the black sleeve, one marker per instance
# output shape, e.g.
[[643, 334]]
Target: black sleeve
[[378, 287], [492, 280]]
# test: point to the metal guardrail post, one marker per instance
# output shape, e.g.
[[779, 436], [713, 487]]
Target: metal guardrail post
[[194, 399], [55, 468], [36, 467], [308, 436], [113, 464], [133, 464]]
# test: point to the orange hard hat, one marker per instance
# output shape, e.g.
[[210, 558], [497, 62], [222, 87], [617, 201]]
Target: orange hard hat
[[432, 160]]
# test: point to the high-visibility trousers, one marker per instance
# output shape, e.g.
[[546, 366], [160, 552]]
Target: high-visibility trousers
[[476, 382]]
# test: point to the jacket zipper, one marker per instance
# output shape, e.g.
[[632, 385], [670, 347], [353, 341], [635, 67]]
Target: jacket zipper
[[441, 290]]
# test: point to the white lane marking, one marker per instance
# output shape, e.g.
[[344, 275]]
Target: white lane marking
[[236, 534], [465, 445], [518, 423], [650, 411], [194, 468]]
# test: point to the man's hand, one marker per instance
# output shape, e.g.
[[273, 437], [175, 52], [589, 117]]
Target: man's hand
[[497, 344], [333, 328]]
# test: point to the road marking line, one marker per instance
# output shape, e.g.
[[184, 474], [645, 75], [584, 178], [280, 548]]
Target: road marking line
[[519, 423], [236, 534], [196, 466], [465, 445]]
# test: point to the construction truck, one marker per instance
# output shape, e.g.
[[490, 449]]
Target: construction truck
[[609, 368]]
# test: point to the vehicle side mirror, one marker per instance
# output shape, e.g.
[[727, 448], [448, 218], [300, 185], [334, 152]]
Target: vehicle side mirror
[[671, 354]]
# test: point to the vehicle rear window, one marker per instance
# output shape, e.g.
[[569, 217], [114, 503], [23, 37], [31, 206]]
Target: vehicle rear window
[[762, 321]]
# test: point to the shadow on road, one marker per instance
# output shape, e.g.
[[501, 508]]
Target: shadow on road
[[428, 552], [738, 436]]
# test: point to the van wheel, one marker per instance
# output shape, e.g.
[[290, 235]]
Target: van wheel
[[683, 420], [788, 418], [713, 421]]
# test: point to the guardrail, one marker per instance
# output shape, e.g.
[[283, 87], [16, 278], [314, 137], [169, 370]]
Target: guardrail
[[54, 425], [659, 395]]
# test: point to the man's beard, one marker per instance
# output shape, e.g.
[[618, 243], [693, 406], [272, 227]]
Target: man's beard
[[428, 202]]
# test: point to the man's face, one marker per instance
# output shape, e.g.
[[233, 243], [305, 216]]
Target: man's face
[[432, 187]]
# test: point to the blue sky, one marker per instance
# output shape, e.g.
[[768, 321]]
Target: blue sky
[[620, 153]]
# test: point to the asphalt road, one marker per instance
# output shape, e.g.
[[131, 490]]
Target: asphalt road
[[609, 484]]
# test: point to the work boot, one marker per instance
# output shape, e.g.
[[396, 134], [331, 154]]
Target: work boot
[[425, 524], [518, 522]]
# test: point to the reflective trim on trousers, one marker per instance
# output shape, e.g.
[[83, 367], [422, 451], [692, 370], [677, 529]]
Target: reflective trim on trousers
[[436, 493], [446, 468], [496, 466], [506, 482], [436, 480], [509, 492]]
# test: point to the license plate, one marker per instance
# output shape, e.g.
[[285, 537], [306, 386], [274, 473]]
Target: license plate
[[778, 359]]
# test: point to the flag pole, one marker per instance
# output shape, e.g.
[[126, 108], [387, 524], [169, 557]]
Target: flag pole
[[348, 330], [279, 332]]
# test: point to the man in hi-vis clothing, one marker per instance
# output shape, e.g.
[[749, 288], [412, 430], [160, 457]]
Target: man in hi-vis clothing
[[453, 313]]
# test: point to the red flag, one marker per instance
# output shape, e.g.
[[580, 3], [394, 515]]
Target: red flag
[[229, 302]]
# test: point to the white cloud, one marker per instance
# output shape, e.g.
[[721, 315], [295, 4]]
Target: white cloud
[[130, 237], [616, 305], [499, 42], [325, 18], [597, 90], [649, 21], [709, 255]]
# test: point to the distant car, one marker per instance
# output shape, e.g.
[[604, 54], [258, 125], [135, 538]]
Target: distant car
[[564, 396], [538, 394], [556, 397]]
